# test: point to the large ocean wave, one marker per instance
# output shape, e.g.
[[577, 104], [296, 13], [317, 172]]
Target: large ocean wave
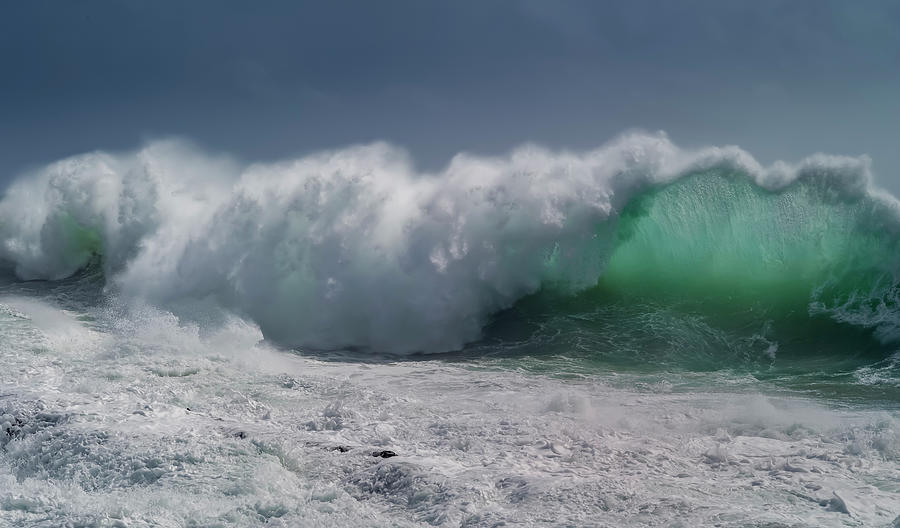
[[356, 248]]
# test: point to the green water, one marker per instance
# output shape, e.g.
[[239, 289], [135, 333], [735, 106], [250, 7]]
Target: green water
[[713, 275]]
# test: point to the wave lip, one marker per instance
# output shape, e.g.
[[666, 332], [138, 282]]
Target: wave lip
[[355, 248]]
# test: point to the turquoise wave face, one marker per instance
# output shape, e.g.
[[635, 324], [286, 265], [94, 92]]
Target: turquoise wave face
[[713, 272], [717, 236]]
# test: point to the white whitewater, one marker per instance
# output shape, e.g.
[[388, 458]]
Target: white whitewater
[[144, 422]]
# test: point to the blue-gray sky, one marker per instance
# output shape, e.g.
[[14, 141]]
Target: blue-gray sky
[[265, 80]]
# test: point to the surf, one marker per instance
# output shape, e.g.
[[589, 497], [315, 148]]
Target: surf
[[355, 248]]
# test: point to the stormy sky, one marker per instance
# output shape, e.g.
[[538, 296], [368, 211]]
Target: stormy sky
[[265, 80]]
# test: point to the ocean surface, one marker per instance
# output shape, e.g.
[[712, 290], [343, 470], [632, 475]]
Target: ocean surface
[[637, 335]]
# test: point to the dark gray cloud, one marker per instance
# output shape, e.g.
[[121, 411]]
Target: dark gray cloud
[[269, 79]]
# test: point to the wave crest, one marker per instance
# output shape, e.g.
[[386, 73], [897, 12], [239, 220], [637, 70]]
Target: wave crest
[[354, 247]]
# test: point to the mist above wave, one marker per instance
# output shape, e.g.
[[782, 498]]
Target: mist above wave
[[355, 247]]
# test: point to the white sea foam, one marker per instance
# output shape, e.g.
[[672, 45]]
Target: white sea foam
[[156, 424]]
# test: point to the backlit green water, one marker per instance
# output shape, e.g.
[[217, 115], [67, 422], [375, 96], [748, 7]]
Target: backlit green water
[[715, 275]]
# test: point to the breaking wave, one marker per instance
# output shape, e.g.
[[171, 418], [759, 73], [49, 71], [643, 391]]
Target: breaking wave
[[356, 248]]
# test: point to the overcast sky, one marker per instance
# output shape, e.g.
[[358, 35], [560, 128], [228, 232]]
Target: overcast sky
[[270, 79]]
